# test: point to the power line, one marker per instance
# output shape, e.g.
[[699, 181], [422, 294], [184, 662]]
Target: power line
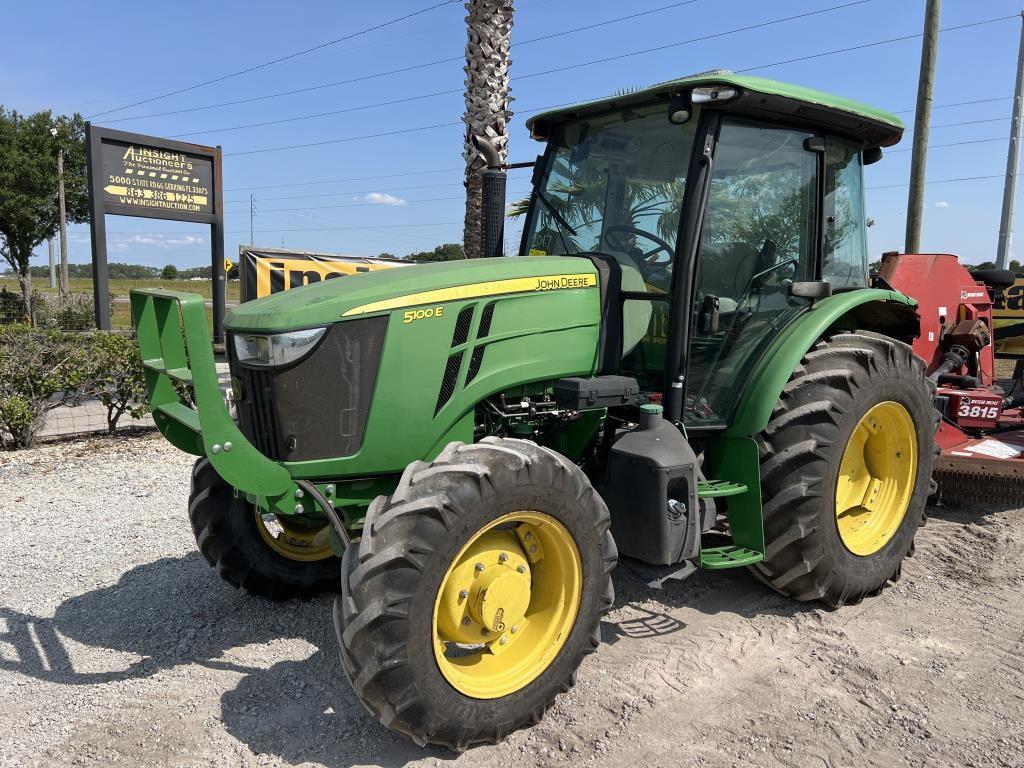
[[364, 205], [342, 140], [377, 203], [942, 181], [318, 229], [320, 114], [278, 60], [958, 104], [880, 42], [648, 50], [351, 178], [449, 60], [951, 144], [352, 192], [453, 170]]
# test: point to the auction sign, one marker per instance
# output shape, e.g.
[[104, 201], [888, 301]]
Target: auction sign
[[135, 175], [265, 271]]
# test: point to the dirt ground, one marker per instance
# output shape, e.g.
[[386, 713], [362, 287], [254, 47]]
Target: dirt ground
[[118, 645]]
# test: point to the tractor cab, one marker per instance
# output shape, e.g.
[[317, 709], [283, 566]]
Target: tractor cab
[[735, 201]]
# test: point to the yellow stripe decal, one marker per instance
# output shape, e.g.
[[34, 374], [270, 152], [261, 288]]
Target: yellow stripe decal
[[479, 290]]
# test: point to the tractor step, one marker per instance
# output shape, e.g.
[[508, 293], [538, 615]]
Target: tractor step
[[713, 489], [729, 556], [156, 364], [181, 413]]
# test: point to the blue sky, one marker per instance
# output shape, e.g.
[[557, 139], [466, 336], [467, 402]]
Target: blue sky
[[403, 192]]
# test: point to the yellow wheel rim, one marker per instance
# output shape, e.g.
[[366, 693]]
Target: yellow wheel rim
[[294, 540], [876, 478], [507, 604]]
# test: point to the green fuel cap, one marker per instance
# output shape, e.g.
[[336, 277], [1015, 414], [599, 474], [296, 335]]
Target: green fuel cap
[[651, 408]]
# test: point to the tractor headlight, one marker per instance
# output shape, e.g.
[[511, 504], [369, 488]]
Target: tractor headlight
[[276, 349]]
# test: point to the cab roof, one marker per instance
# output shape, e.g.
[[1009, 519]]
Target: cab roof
[[758, 97]]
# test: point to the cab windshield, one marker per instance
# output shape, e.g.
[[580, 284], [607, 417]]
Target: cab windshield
[[614, 184]]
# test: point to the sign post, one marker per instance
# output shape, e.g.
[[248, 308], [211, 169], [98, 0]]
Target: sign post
[[135, 175]]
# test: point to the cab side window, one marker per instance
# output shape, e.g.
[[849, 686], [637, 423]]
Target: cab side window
[[844, 262]]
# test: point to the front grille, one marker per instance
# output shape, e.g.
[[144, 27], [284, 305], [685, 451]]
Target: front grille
[[263, 430], [316, 408]]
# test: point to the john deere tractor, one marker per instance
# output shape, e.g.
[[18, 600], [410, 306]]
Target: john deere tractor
[[686, 365]]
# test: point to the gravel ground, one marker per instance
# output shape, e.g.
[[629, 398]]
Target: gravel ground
[[118, 645]]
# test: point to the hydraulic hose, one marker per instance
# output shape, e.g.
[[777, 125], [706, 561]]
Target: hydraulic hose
[[329, 510]]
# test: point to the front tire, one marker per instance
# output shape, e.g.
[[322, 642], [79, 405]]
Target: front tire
[[845, 467], [475, 591], [279, 559]]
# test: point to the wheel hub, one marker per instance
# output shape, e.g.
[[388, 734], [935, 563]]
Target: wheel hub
[[507, 604], [876, 478]]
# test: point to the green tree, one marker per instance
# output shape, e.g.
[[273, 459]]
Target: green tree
[[29, 213], [446, 252], [170, 272]]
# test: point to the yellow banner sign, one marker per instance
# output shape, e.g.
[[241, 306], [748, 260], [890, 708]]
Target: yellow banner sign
[[268, 271], [1008, 317]]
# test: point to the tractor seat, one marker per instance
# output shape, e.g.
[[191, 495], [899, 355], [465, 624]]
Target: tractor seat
[[994, 278]]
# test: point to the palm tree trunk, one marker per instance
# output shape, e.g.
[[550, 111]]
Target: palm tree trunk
[[487, 100]]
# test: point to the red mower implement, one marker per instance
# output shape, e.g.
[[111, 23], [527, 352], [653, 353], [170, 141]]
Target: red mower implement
[[981, 434]]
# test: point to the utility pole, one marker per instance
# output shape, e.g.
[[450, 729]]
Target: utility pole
[[922, 124], [252, 215], [63, 225], [1010, 187], [53, 262]]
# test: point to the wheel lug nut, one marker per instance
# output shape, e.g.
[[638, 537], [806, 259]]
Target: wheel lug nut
[[479, 566], [502, 557], [521, 569], [528, 535], [485, 631], [515, 628], [466, 621], [464, 593], [504, 639]]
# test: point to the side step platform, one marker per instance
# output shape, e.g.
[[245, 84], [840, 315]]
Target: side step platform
[[735, 462]]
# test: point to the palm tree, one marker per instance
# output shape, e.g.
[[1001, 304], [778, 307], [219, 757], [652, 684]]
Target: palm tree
[[487, 100]]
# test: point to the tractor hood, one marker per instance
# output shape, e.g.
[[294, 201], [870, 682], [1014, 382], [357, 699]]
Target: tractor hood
[[405, 288]]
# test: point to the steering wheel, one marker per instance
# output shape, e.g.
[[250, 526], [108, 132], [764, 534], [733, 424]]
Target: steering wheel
[[614, 232]]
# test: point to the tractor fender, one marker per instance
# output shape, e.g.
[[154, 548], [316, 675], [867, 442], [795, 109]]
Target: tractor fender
[[883, 311]]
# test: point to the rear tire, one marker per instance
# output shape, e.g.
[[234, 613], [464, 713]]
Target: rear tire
[[229, 536], [394, 579], [810, 554]]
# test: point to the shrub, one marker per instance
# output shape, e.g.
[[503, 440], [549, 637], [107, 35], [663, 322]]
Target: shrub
[[74, 312], [45, 369], [117, 376], [12, 306], [39, 371]]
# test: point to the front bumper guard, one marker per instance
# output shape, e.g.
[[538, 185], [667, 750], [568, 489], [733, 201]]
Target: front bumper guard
[[177, 352]]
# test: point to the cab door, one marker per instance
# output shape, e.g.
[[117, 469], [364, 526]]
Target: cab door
[[759, 235]]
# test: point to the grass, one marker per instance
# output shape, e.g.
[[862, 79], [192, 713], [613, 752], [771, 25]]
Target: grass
[[121, 313], [122, 287]]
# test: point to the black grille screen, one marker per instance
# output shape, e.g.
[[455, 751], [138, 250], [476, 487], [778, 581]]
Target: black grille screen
[[317, 408]]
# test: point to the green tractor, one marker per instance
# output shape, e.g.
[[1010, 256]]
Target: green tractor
[[686, 365]]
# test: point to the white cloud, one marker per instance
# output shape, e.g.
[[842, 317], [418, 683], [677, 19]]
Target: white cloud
[[943, 204], [159, 241], [125, 243], [380, 198]]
